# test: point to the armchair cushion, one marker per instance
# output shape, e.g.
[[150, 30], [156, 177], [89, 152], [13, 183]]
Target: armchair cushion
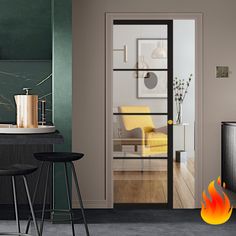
[[156, 139]]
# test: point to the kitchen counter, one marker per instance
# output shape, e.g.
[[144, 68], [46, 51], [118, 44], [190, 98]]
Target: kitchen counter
[[19, 148]]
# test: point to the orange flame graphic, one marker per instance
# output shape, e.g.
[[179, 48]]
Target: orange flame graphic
[[217, 210]]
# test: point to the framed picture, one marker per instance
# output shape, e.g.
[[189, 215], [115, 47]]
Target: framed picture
[[152, 84], [152, 55]]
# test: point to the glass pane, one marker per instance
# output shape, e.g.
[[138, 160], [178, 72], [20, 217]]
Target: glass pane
[[145, 46], [152, 53], [145, 88], [139, 136], [140, 140], [135, 186]]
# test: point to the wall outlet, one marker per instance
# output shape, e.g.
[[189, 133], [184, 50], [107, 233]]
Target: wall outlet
[[222, 72]]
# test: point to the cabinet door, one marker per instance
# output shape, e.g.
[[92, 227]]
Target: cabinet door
[[11, 154]]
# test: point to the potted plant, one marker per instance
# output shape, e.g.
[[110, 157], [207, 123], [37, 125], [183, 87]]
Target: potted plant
[[180, 87]]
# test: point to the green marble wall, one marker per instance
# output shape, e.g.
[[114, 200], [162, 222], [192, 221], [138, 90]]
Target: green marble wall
[[62, 89], [25, 30], [15, 75], [26, 34], [25, 53]]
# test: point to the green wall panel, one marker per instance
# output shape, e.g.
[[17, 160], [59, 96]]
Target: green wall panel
[[39, 30], [25, 29], [62, 88], [15, 75]]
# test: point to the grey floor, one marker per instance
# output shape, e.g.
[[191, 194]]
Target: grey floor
[[142, 222], [128, 229]]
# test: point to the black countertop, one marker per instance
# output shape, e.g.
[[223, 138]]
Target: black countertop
[[27, 139]]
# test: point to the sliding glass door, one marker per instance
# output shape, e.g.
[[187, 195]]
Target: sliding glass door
[[143, 112]]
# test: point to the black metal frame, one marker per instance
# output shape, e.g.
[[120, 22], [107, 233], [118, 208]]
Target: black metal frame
[[136, 69], [139, 158], [169, 113], [141, 114]]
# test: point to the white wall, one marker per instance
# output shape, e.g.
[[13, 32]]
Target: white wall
[[184, 65], [219, 99]]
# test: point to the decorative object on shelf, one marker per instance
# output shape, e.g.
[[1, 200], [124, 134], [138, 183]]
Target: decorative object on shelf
[[26, 110], [180, 87], [42, 111]]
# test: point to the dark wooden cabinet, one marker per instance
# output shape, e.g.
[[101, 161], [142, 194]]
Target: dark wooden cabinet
[[23, 154], [228, 155], [19, 148]]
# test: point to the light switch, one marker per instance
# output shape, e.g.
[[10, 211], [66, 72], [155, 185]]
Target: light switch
[[222, 72]]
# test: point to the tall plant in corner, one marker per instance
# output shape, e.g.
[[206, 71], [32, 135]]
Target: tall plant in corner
[[180, 87]]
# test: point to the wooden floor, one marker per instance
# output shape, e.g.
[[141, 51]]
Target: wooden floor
[[151, 186]]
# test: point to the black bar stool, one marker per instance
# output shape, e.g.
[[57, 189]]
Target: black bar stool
[[59, 157], [20, 170]]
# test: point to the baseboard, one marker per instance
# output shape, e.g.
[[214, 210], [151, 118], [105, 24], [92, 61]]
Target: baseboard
[[92, 204], [7, 211]]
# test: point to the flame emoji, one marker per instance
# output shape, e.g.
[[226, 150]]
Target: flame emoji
[[217, 210]]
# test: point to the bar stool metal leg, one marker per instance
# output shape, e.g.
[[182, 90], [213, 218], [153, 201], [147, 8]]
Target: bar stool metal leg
[[31, 206], [35, 194], [80, 198], [15, 203], [69, 198], [44, 199]]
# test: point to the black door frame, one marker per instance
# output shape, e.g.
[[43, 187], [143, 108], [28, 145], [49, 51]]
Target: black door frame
[[169, 114]]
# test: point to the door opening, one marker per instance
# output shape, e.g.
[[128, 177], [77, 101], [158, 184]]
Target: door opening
[[184, 106], [143, 112], [145, 166]]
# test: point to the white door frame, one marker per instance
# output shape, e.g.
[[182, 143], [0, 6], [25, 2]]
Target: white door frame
[[198, 17]]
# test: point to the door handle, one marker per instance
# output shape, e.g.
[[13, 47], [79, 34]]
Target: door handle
[[170, 122]]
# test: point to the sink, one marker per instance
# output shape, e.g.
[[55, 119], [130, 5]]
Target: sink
[[12, 129]]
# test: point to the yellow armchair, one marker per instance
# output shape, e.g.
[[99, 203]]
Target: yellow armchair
[[142, 127]]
